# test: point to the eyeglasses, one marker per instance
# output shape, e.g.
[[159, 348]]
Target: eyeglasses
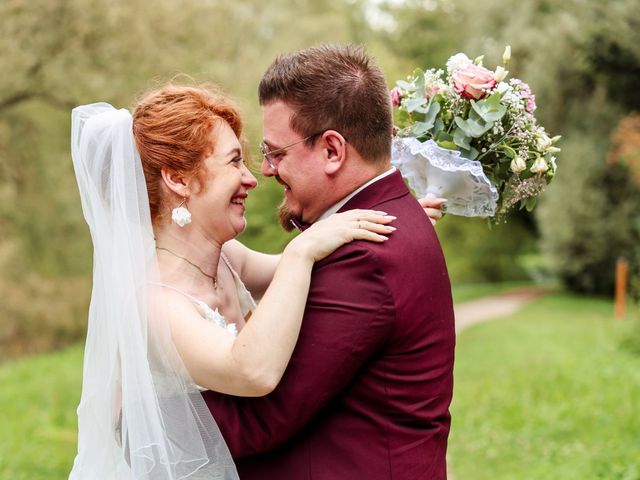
[[268, 154]]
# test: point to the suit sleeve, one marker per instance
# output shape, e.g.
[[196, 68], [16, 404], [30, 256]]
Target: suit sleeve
[[348, 318]]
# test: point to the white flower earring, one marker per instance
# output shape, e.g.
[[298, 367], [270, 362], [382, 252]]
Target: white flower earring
[[181, 215]]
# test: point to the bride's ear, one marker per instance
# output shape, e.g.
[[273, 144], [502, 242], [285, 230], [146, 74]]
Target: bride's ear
[[176, 182]]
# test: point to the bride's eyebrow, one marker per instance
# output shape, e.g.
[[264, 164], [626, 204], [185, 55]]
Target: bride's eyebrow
[[235, 152]]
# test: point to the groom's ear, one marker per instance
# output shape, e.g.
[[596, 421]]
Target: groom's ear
[[176, 182], [335, 151]]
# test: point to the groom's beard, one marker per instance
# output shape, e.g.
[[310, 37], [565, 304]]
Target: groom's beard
[[285, 216]]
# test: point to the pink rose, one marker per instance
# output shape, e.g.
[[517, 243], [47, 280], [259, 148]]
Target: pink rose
[[396, 96], [431, 90], [473, 81]]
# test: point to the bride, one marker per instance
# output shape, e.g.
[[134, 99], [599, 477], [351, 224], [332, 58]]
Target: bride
[[163, 191]]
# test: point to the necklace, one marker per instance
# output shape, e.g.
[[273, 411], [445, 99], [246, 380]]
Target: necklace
[[213, 278]]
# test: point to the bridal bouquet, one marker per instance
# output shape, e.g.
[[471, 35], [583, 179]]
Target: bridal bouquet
[[468, 134]]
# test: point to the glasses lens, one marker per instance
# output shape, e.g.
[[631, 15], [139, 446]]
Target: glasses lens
[[267, 154]]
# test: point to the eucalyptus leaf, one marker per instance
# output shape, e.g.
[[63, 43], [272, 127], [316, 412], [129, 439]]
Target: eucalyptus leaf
[[508, 151], [469, 153], [474, 126], [462, 125], [438, 126], [416, 105], [420, 128], [409, 87], [461, 139], [489, 109], [447, 144], [419, 82], [443, 136], [432, 112], [530, 203]]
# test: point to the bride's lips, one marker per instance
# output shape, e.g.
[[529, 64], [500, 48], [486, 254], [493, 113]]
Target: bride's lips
[[239, 199]]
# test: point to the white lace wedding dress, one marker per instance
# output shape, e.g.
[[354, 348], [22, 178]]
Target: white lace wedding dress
[[247, 303]]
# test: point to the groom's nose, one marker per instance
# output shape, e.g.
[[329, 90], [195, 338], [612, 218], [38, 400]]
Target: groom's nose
[[266, 169]]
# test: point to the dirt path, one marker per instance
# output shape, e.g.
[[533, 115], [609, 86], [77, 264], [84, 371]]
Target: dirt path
[[488, 308]]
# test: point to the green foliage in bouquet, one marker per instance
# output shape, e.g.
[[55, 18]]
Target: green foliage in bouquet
[[477, 112]]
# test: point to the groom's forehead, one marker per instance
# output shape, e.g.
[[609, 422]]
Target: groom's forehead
[[276, 119]]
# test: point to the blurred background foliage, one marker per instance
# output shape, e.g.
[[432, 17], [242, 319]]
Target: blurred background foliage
[[581, 58]]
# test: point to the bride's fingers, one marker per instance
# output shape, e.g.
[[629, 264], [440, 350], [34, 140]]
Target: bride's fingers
[[371, 215], [374, 227], [362, 234]]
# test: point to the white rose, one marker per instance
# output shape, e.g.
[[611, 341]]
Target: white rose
[[518, 165], [458, 61], [500, 74], [506, 56], [543, 142], [181, 216], [539, 166]]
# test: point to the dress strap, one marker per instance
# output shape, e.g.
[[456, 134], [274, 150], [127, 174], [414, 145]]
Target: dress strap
[[227, 262], [247, 303], [211, 314], [170, 287]]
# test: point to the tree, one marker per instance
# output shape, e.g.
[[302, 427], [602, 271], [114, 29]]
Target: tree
[[62, 53]]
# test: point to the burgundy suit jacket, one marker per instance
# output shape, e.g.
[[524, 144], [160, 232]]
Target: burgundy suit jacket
[[367, 392]]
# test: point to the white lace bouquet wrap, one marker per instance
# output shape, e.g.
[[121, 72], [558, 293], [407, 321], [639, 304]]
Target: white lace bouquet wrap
[[433, 171]]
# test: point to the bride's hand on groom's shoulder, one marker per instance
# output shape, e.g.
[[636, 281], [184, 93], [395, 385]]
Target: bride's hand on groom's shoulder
[[433, 207], [325, 236]]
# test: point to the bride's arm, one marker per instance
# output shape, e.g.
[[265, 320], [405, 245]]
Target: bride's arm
[[256, 269], [252, 363]]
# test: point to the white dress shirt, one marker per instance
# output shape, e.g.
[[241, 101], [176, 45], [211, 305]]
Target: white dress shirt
[[339, 205]]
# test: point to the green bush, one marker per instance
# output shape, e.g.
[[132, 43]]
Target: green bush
[[588, 218], [476, 252]]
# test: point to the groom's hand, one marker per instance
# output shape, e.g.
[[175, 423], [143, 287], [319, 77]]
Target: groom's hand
[[433, 207]]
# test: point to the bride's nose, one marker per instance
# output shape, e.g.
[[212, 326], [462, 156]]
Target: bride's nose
[[249, 181]]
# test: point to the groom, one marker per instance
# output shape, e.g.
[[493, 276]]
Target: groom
[[367, 392]]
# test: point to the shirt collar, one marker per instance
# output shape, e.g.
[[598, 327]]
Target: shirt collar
[[338, 206]]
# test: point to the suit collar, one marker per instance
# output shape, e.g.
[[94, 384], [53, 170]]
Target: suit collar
[[385, 189]]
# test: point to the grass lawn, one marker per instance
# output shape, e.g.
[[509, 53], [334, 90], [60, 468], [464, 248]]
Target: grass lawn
[[546, 394], [38, 400]]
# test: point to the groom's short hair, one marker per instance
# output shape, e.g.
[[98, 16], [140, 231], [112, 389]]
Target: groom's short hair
[[334, 87]]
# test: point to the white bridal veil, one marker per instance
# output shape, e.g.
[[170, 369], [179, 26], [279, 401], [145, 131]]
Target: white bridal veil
[[140, 415]]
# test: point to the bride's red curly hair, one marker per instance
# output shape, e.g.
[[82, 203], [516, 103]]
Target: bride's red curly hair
[[172, 128]]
